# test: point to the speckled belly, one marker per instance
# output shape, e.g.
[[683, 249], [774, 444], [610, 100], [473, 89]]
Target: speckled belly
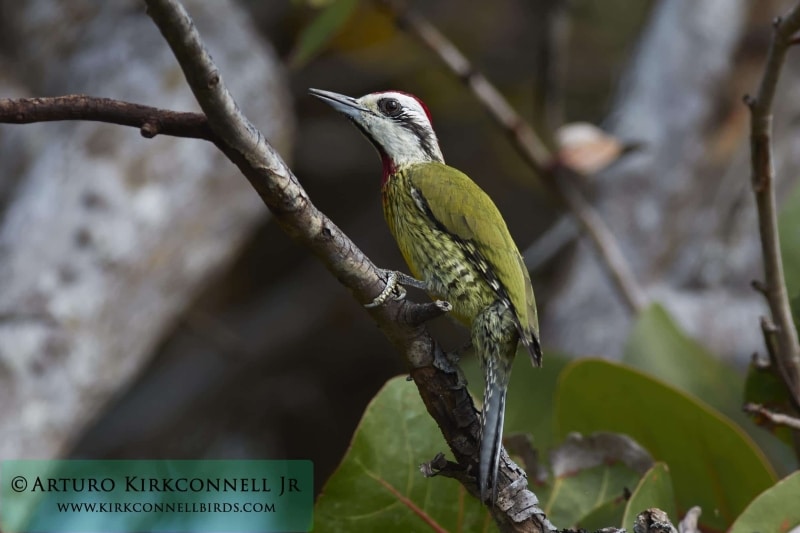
[[440, 260]]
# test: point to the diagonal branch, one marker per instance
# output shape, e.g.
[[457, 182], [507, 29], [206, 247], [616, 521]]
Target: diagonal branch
[[763, 181], [561, 180]]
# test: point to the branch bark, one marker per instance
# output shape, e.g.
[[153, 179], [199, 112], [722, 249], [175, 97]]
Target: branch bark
[[763, 180], [151, 121], [778, 419]]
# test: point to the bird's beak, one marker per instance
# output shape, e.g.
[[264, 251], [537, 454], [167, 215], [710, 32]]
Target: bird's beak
[[344, 104]]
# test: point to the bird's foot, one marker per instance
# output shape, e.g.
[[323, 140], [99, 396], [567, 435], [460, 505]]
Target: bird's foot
[[411, 281], [394, 288], [391, 289]]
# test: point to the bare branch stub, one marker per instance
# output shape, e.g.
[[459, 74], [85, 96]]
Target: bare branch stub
[[759, 286], [778, 419]]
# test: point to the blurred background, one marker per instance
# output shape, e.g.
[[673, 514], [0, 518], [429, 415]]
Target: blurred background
[[150, 309]]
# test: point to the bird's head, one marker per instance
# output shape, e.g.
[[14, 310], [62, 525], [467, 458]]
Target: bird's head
[[397, 123]]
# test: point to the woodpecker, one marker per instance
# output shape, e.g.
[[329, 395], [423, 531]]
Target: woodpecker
[[456, 245]]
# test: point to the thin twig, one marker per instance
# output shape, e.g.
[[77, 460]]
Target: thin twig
[[532, 148], [763, 178], [151, 121], [778, 419]]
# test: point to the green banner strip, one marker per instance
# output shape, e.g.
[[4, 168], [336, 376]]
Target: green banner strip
[[239, 496]]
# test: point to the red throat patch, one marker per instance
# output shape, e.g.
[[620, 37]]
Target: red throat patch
[[388, 168]]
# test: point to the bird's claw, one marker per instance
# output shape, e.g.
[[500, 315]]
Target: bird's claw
[[392, 288]]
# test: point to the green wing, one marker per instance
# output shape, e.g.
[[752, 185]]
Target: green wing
[[466, 211]]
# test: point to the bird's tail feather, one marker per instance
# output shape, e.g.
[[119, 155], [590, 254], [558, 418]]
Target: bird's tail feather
[[531, 343], [493, 416]]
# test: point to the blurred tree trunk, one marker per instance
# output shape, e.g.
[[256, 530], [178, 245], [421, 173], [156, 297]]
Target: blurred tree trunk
[[681, 207], [105, 237]]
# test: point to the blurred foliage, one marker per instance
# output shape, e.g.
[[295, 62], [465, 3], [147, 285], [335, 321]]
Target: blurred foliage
[[712, 461], [378, 486], [382, 469], [654, 490], [365, 36], [530, 395], [322, 29], [590, 477], [659, 347], [776, 509], [789, 227], [714, 464], [585, 497]]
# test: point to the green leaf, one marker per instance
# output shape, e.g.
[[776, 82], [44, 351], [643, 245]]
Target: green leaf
[[321, 30], [530, 395], [659, 347], [590, 478], [795, 305], [572, 500], [776, 509], [379, 487], [789, 228], [608, 513], [654, 490], [713, 463]]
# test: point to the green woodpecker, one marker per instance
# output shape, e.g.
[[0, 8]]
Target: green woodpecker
[[457, 247]]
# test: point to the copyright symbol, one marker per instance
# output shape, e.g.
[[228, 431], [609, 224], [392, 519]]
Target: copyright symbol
[[19, 484]]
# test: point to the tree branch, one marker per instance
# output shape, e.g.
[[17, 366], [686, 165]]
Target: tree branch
[[763, 178], [561, 180], [150, 120], [775, 418]]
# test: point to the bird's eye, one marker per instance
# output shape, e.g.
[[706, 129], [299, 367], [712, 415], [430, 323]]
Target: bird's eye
[[390, 107]]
